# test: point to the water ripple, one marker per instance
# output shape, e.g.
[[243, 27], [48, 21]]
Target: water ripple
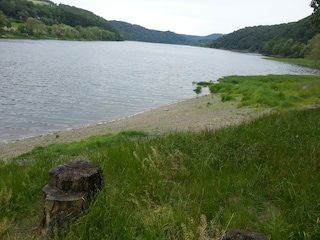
[[54, 85]]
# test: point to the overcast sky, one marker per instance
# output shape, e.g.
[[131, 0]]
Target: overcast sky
[[197, 17]]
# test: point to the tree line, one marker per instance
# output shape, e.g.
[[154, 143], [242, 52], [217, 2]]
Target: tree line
[[138, 33], [287, 40], [135, 32], [43, 18]]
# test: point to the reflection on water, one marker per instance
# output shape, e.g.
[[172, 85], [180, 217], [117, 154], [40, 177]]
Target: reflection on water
[[48, 86]]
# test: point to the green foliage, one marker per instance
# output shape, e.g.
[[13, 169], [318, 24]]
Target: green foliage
[[223, 87], [4, 21], [315, 48], [280, 92], [44, 19], [139, 33], [198, 90], [227, 97], [135, 32], [34, 26], [315, 15], [288, 40], [261, 176]]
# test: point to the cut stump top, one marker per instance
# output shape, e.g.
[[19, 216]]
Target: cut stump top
[[76, 176]]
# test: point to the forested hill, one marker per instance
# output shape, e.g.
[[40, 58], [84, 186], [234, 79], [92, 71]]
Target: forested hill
[[138, 33], [44, 19], [288, 40]]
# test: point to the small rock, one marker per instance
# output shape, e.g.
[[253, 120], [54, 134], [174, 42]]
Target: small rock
[[238, 234]]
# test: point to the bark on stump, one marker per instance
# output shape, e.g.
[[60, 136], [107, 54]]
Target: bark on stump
[[70, 189]]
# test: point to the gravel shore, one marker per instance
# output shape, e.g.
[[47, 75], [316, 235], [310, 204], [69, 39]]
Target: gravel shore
[[205, 112]]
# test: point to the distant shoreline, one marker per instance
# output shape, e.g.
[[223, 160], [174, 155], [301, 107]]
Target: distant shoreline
[[200, 113]]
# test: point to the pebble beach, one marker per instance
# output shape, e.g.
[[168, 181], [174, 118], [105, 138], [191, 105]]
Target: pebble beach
[[196, 114]]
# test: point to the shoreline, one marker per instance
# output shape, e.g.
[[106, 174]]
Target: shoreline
[[195, 114]]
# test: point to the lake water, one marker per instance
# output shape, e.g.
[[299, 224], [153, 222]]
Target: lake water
[[47, 86]]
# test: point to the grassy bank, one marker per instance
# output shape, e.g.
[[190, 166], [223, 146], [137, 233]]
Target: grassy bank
[[261, 176], [307, 62], [278, 92]]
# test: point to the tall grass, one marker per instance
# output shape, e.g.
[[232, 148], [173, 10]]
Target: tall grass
[[279, 92], [261, 176]]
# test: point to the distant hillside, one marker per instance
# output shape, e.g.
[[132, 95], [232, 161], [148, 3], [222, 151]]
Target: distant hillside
[[138, 33], [44, 19], [288, 40], [202, 40]]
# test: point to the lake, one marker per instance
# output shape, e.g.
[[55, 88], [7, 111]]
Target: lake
[[48, 86]]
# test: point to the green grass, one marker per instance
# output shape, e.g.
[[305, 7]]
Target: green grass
[[278, 92], [39, 2], [307, 62], [261, 176]]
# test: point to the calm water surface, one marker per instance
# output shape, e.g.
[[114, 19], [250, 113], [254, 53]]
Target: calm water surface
[[47, 86]]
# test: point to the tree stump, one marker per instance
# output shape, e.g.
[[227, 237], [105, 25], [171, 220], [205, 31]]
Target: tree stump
[[71, 188]]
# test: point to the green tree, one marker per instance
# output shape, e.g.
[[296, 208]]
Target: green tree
[[315, 4], [314, 43], [51, 20], [3, 20], [314, 46], [34, 26]]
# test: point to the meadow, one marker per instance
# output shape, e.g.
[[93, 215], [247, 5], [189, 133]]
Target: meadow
[[276, 92], [260, 176]]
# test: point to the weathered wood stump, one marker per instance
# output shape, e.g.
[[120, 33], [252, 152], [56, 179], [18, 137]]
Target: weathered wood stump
[[71, 188]]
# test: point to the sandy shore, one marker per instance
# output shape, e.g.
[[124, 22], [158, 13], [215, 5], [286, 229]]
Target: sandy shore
[[206, 112]]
